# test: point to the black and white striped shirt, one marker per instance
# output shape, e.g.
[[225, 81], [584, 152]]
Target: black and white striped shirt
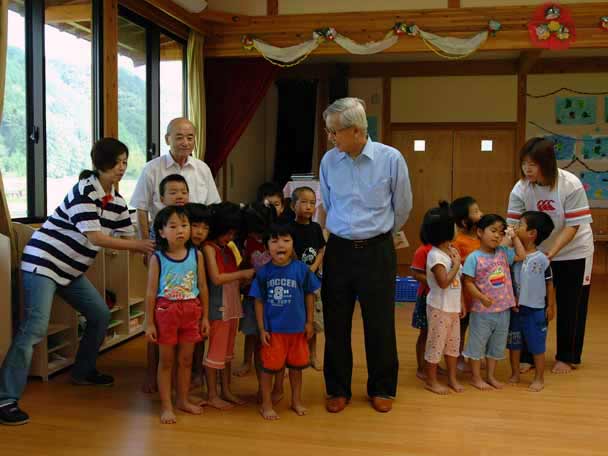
[[59, 249]]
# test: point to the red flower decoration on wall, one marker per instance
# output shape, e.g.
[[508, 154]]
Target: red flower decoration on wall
[[552, 27]]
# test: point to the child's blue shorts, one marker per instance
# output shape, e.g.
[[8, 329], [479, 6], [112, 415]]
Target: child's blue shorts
[[529, 327]]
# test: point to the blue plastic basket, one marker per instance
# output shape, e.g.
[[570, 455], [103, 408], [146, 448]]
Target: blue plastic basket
[[406, 289]]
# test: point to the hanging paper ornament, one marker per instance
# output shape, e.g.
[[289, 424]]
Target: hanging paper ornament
[[247, 42], [604, 22], [327, 33], [494, 27], [552, 27]]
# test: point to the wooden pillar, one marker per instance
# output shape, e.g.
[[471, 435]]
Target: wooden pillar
[[386, 110], [272, 7], [526, 62], [110, 68]]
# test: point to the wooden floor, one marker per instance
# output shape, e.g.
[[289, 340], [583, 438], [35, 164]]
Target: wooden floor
[[569, 417]]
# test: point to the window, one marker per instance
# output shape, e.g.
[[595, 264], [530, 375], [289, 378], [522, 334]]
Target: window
[[172, 99], [419, 145], [132, 105], [53, 102], [13, 146], [69, 95]]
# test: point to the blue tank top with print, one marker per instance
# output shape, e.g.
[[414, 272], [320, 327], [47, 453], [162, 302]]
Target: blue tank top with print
[[178, 279]]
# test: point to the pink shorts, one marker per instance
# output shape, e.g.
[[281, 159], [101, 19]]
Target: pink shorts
[[221, 343], [178, 322], [443, 334]]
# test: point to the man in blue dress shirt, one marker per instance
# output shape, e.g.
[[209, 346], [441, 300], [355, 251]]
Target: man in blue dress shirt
[[367, 194]]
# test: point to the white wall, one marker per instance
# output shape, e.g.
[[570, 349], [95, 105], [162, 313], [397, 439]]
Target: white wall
[[370, 91], [247, 7]]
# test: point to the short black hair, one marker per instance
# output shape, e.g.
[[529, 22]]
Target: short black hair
[[541, 222], [490, 219], [225, 216], [257, 217], [172, 178], [460, 211], [438, 225], [276, 231], [295, 195], [104, 156], [269, 189], [198, 213], [161, 220]]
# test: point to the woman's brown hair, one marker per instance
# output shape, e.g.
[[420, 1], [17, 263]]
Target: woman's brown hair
[[542, 152]]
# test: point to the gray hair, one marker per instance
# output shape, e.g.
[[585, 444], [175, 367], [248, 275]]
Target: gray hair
[[176, 121], [351, 111]]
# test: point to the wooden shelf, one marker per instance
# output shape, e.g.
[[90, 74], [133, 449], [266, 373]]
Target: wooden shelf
[[136, 300], [114, 324], [136, 315], [137, 330], [600, 237], [55, 366], [54, 328], [115, 309], [58, 347]]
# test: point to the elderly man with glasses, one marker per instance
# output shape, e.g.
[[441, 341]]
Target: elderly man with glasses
[[366, 192]]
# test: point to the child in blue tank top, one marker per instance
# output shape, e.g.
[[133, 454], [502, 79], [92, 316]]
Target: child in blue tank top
[[177, 297]]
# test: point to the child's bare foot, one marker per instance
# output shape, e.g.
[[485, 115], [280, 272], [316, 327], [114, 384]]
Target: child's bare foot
[[514, 379], [219, 403], [495, 383], [299, 409], [167, 417], [480, 384], [189, 407], [269, 414], [243, 370], [436, 388], [150, 385], [230, 397], [456, 386], [525, 367], [536, 386], [561, 368], [316, 365], [421, 375], [277, 396]]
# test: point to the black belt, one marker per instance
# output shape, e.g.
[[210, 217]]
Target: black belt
[[359, 243]]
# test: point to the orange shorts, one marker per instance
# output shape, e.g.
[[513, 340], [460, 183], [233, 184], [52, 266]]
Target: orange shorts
[[221, 343], [178, 322], [289, 350]]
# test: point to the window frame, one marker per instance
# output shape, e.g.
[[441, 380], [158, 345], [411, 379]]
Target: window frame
[[36, 140]]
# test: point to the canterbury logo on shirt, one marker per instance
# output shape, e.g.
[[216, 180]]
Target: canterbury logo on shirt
[[545, 205]]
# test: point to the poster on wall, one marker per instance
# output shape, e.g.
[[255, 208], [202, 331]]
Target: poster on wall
[[596, 187], [575, 110], [564, 147], [372, 127], [595, 147]]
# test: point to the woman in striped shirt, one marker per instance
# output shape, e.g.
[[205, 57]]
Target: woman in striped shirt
[[560, 194], [55, 259]]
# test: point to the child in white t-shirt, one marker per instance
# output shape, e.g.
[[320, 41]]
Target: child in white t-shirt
[[445, 303]]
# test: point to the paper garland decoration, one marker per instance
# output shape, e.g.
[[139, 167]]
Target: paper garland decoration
[[552, 27], [447, 47]]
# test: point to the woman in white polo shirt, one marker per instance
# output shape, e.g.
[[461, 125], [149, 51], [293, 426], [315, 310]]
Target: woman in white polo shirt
[[559, 193], [55, 260]]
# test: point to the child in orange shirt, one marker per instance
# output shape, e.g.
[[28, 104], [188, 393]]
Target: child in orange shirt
[[466, 213]]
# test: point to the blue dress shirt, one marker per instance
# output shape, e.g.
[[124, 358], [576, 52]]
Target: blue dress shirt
[[367, 196]]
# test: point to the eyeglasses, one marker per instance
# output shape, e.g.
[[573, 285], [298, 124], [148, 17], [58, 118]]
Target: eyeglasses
[[332, 132]]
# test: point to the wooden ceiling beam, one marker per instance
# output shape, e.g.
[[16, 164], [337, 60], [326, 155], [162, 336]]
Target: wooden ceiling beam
[[157, 16], [527, 60], [193, 21], [574, 65], [287, 30], [67, 13]]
